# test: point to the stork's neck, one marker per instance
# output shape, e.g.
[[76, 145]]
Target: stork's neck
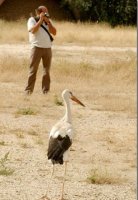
[[67, 116]]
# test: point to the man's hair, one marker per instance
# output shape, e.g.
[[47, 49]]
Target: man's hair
[[40, 9]]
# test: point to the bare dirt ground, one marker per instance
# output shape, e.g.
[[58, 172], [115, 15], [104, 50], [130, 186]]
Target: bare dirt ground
[[105, 139]]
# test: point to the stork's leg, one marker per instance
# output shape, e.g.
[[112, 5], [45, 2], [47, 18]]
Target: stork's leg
[[63, 183], [49, 183], [45, 197]]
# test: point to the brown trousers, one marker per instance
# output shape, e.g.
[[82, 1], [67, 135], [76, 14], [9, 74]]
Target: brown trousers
[[36, 55]]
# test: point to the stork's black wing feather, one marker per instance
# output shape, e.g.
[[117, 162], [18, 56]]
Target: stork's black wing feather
[[57, 147]]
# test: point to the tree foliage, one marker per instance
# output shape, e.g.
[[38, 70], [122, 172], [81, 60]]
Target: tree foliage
[[113, 11]]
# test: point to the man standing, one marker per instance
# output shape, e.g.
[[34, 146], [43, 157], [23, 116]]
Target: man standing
[[39, 29]]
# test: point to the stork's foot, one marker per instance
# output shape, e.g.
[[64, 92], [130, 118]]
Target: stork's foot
[[44, 198], [62, 198]]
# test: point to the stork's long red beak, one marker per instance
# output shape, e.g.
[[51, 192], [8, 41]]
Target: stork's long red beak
[[77, 100]]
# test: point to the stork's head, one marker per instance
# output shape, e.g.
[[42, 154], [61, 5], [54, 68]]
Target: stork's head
[[66, 94]]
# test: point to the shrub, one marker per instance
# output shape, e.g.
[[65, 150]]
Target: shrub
[[115, 12], [4, 170]]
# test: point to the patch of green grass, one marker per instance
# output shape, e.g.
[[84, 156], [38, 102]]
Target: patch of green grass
[[99, 176], [2, 143], [33, 133], [57, 101], [26, 111], [25, 145], [4, 170], [20, 135], [18, 132], [39, 141]]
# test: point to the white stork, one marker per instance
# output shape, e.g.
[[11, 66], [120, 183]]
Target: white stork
[[61, 136]]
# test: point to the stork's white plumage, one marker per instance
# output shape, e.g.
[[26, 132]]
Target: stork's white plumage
[[61, 136]]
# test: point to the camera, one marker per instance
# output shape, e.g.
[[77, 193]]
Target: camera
[[47, 15]]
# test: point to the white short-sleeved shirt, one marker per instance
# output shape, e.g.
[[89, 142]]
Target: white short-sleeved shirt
[[39, 38]]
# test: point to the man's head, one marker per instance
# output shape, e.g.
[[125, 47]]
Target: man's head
[[41, 9]]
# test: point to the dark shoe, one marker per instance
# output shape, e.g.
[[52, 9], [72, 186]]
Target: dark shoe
[[45, 92], [28, 92]]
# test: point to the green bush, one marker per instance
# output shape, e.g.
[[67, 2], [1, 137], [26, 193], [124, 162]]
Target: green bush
[[115, 12]]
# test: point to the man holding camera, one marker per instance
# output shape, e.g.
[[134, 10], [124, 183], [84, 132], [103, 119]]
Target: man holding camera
[[40, 29]]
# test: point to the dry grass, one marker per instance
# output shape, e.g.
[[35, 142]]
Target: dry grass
[[121, 75], [33, 133], [57, 101], [2, 143], [19, 134], [111, 80], [39, 141], [10, 64], [103, 176], [26, 111], [13, 32], [4, 170], [80, 33], [25, 145], [95, 34]]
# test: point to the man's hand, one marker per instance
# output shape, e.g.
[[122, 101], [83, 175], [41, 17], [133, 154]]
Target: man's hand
[[42, 17], [46, 19], [38, 24], [52, 29]]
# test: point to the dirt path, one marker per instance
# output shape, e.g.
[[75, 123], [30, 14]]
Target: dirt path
[[73, 53], [24, 49]]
